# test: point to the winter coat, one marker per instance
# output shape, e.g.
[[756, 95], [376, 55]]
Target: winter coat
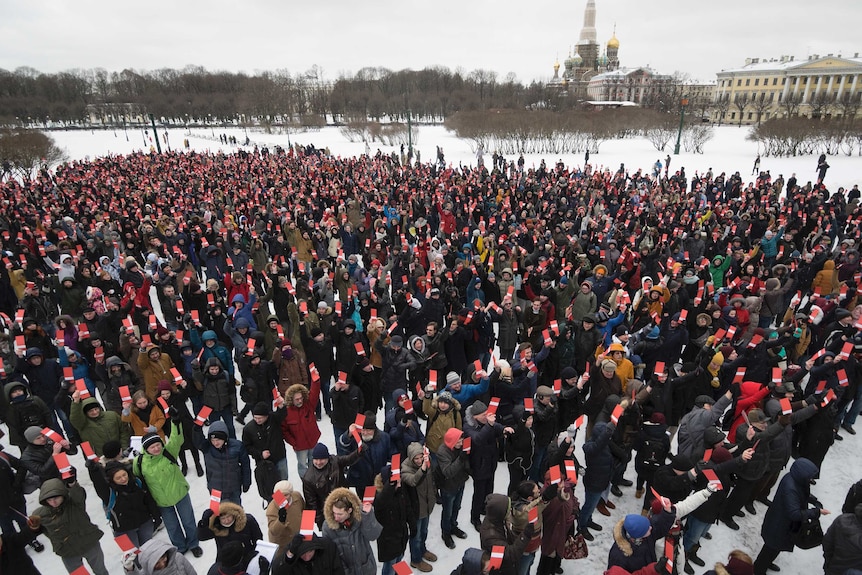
[[483, 441], [266, 437], [345, 405], [758, 465], [372, 458], [438, 422], [496, 531], [418, 481], [326, 559], [290, 371], [164, 478], [779, 448], [24, 412], [228, 468], [155, 549], [127, 507], [789, 507], [598, 457], [282, 533], [244, 529], [100, 429], [299, 427], [68, 526], [510, 325], [842, 543], [395, 514], [353, 538], [217, 391], [453, 468], [43, 380], [317, 484], [631, 554], [13, 555], [155, 418], [557, 518], [600, 388], [395, 368], [695, 422], [153, 372]]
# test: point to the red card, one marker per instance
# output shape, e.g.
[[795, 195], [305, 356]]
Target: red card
[[497, 553], [707, 454], [81, 386], [841, 374], [830, 395], [615, 415], [786, 409], [203, 414], [432, 380], [88, 450], [356, 437], [392, 327], [528, 404], [712, 478], [555, 475], [68, 374], [665, 502], [279, 499], [846, 350], [307, 526], [558, 386], [683, 315], [467, 444], [124, 543], [164, 404], [396, 467], [740, 375], [719, 335], [20, 344], [52, 435], [402, 568], [776, 376], [342, 377], [533, 514], [579, 421], [755, 340], [821, 385], [250, 345], [80, 571], [360, 350], [215, 501], [669, 549], [360, 420], [493, 405], [61, 460], [571, 471], [369, 494]]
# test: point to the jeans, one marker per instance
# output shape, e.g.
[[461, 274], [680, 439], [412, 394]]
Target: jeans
[[417, 542], [225, 415], [855, 407], [451, 502], [338, 432], [538, 460], [139, 536], [94, 557], [387, 565], [303, 460], [181, 525], [591, 499], [695, 529], [526, 562]]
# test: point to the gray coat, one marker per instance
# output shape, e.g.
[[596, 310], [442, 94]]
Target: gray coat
[[694, 423], [354, 541]]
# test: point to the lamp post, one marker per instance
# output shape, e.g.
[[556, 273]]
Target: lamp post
[[683, 103]]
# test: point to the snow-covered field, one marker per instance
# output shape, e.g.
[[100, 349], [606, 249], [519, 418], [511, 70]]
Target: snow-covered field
[[728, 152]]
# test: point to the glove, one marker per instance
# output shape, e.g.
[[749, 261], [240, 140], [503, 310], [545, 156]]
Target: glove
[[551, 491], [661, 566], [295, 544], [282, 515], [529, 530], [34, 522], [207, 514], [173, 413], [129, 561], [784, 420], [263, 564], [150, 429], [73, 477], [811, 400]]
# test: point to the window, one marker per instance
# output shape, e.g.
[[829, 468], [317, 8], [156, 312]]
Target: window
[[739, 82], [747, 81], [774, 81], [757, 81], [750, 115], [733, 115]]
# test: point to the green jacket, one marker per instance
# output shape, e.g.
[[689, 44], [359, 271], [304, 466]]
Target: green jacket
[[164, 478], [717, 271], [98, 431], [68, 526]]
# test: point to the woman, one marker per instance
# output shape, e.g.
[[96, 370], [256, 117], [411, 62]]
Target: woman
[[283, 522], [299, 427], [143, 415], [351, 525], [789, 509], [231, 524], [129, 507]]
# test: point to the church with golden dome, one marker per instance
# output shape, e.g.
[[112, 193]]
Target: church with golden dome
[[587, 60]]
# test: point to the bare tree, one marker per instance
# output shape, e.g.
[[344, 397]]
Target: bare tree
[[722, 105], [790, 104], [695, 135], [760, 104], [821, 104], [26, 150], [740, 102]]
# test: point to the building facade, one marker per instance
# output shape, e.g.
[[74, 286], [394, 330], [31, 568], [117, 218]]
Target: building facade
[[819, 87]]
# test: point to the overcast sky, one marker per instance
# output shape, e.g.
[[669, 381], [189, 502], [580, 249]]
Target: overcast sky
[[696, 37]]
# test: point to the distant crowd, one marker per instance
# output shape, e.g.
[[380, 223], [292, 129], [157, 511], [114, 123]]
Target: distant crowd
[[164, 314]]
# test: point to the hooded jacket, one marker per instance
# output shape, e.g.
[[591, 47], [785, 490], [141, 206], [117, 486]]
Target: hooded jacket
[[299, 428], [68, 526], [439, 422], [153, 372], [228, 468], [244, 530], [98, 430], [483, 451], [790, 505], [127, 507], [496, 531], [634, 554], [418, 480], [352, 538], [24, 412], [153, 550], [842, 543]]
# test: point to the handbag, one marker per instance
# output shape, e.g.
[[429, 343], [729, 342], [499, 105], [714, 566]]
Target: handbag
[[575, 547], [809, 534]]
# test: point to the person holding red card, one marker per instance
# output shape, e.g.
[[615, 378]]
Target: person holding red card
[[230, 524], [284, 514], [352, 526], [96, 425], [131, 509]]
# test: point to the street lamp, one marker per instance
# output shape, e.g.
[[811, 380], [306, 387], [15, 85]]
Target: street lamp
[[683, 103]]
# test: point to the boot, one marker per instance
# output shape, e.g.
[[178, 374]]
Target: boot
[[610, 504], [639, 493], [689, 570], [692, 556], [602, 508], [184, 465]]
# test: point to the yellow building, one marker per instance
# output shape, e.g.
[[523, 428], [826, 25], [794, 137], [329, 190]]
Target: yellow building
[[819, 87]]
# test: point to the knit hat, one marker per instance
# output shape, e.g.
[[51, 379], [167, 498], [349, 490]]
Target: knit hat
[[636, 526], [218, 434], [721, 455], [681, 463], [31, 433], [726, 350], [231, 554], [320, 451], [569, 373], [452, 378], [451, 437], [479, 408], [315, 331], [112, 468], [111, 449], [164, 385], [260, 408], [150, 439], [398, 341], [712, 435], [444, 396], [284, 486]]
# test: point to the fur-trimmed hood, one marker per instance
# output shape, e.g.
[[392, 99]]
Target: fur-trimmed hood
[[621, 539], [293, 390], [351, 497], [230, 509]]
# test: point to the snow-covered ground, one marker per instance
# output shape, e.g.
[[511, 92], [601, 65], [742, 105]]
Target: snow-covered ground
[[729, 152]]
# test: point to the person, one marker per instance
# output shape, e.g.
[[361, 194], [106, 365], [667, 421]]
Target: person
[[157, 467], [227, 462], [24, 410], [64, 520], [143, 415], [284, 522], [351, 525], [262, 438], [96, 425], [374, 454], [176, 399], [314, 556], [394, 512], [231, 525], [325, 474], [788, 510], [230, 560], [496, 530], [13, 554], [842, 543], [218, 392], [453, 470], [130, 509], [299, 427], [484, 432], [419, 481], [157, 557], [600, 466], [635, 537], [443, 413], [738, 563]]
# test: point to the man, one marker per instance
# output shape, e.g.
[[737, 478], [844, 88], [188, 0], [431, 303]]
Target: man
[[96, 425], [453, 470], [375, 452], [316, 556], [263, 440], [325, 474], [484, 432], [416, 475], [600, 467], [705, 414], [226, 461]]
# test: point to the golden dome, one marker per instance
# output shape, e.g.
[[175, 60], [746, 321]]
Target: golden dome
[[613, 42]]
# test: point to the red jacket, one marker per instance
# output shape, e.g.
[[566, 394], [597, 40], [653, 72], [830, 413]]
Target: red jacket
[[299, 427]]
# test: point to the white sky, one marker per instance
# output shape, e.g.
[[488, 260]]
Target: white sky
[[696, 37]]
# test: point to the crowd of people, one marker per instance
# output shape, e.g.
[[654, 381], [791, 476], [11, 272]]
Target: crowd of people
[[177, 313]]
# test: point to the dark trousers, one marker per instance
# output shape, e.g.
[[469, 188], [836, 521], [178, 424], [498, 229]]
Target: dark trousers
[[765, 558], [737, 498], [481, 489], [548, 565]]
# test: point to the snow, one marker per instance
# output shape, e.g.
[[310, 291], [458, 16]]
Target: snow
[[729, 152]]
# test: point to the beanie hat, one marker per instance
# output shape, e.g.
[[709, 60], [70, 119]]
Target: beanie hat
[[31, 433], [452, 378], [316, 331], [111, 449], [260, 408], [479, 408], [231, 554], [164, 385], [150, 439], [445, 396], [658, 418], [726, 350], [284, 486], [568, 373], [111, 469], [681, 463], [451, 437], [636, 526], [721, 455], [712, 435], [218, 434], [320, 451]]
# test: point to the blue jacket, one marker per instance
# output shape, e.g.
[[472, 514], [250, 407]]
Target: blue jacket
[[228, 468], [246, 311], [636, 554], [790, 505], [80, 369], [374, 455]]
